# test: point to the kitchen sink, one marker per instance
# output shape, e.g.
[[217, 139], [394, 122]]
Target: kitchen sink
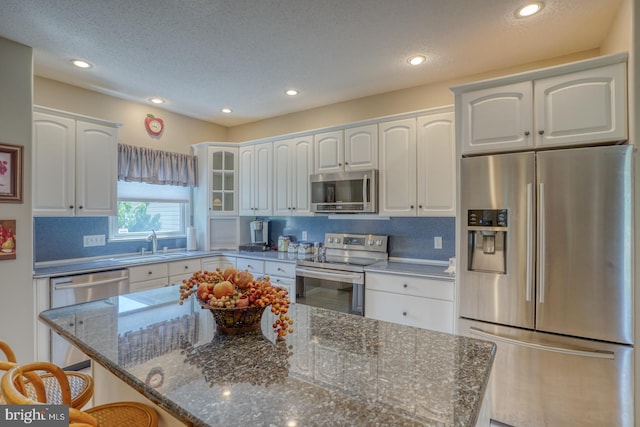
[[150, 257]]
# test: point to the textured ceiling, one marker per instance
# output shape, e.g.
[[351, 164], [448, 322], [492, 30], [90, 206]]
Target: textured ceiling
[[202, 55]]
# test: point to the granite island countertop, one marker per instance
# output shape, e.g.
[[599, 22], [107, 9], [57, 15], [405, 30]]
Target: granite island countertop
[[335, 369]]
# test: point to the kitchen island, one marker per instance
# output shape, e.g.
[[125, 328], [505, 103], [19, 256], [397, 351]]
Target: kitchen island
[[335, 369]]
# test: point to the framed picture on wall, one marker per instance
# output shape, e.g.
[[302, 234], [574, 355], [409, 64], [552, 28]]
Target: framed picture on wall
[[10, 173], [7, 239]]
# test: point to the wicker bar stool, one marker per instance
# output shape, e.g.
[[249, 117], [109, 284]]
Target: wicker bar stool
[[119, 414], [81, 384]]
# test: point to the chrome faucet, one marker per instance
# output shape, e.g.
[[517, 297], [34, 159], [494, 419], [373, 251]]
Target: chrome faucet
[[154, 241]]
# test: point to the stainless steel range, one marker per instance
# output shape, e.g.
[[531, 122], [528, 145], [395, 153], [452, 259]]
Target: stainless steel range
[[334, 278]]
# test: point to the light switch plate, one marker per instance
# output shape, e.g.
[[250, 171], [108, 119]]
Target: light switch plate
[[94, 240], [437, 242]]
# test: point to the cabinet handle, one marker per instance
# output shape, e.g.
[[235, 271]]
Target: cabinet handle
[[280, 269], [250, 266], [70, 324], [541, 132], [526, 133]]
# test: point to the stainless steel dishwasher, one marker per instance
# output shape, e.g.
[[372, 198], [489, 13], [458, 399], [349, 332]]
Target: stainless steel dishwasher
[[69, 290]]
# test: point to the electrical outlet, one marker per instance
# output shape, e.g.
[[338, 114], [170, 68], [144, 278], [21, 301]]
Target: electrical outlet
[[437, 242], [94, 240], [304, 236]]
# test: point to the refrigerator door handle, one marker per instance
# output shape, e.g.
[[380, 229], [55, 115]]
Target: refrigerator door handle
[[529, 243], [541, 243], [572, 351]]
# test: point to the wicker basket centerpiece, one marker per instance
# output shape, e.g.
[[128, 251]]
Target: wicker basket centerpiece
[[237, 300]]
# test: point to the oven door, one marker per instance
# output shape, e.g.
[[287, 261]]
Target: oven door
[[331, 289]]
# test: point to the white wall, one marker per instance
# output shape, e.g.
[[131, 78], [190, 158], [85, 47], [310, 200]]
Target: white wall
[[17, 309]]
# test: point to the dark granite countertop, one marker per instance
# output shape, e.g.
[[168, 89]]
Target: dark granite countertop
[[335, 369]]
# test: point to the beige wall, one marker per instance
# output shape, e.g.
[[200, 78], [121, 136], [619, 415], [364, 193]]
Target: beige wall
[[18, 315], [180, 131], [619, 37], [397, 102]]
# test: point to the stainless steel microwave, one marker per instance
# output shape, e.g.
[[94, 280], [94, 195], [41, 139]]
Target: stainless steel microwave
[[345, 192]]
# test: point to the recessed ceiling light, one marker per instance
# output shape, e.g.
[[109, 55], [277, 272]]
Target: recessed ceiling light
[[292, 92], [157, 100], [529, 9], [80, 63], [417, 59], [227, 110]]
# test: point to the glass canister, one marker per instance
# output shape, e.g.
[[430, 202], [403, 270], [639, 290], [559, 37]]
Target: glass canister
[[293, 248], [283, 243]]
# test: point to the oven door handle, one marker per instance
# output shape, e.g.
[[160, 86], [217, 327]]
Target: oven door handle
[[323, 274]]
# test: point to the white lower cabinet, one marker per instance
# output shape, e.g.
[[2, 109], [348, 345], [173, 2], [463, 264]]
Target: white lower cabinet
[[253, 266], [148, 276], [282, 274], [183, 269], [151, 276], [220, 261], [410, 300]]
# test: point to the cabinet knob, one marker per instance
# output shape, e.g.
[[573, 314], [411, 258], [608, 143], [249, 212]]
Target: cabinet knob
[[420, 206], [70, 206], [81, 322], [294, 208], [405, 285], [80, 207], [346, 163], [186, 267], [526, 133], [411, 206], [404, 313], [541, 132], [150, 272], [339, 164]]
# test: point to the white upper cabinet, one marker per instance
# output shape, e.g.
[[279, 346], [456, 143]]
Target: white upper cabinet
[[292, 165], [498, 119], [74, 166], [417, 166], [436, 159], [256, 163], [329, 152], [361, 148], [346, 150], [217, 190], [582, 107], [397, 175], [554, 108]]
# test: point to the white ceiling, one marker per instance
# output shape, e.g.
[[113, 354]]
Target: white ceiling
[[202, 55]]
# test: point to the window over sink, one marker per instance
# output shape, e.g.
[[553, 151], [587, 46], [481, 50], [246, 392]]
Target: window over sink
[[144, 207]]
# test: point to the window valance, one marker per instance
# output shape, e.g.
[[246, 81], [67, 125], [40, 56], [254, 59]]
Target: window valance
[[141, 164]]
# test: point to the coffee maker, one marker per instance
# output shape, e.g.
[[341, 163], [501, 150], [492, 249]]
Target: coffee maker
[[259, 236], [259, 232]]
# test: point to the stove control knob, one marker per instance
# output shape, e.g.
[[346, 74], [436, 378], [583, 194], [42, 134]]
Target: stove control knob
[[378, 242], [370, 242], [337, 240], [330, 239]]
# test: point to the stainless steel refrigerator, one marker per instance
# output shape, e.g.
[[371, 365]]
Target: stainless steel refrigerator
[[546, 272]]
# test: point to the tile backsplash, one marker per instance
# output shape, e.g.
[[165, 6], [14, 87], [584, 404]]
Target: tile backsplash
[[59, 238], [408, 237]]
